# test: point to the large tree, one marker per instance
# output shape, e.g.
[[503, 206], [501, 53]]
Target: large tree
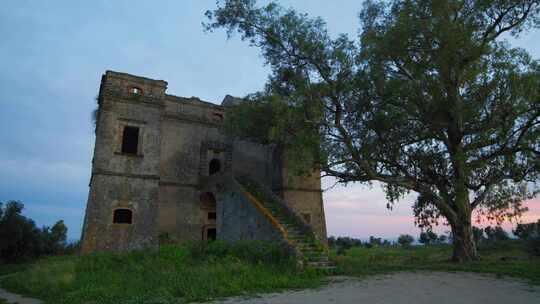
[[428, 99]]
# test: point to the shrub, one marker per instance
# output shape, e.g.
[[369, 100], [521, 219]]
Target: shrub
[[374, 241], [533, 246], [528, 230], [478, 235], [428, 237], [405, 240], [495, 234]]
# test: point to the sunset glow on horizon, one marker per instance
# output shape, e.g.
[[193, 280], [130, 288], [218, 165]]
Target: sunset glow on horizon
[[360, 211]]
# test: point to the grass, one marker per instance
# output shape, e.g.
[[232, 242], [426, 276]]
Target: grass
[[174, 274], [201, 271], [507, 258]]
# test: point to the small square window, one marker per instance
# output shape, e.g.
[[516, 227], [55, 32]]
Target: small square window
[[130, 140], [135, 91], [211, 215], [122, 216]]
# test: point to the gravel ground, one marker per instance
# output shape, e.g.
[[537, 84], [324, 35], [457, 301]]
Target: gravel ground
[[410, 287]]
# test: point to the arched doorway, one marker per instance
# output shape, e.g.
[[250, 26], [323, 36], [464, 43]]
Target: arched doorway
[[208, 206], [214, 166]]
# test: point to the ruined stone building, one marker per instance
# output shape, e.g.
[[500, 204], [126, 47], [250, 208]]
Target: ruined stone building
[[163, 168]]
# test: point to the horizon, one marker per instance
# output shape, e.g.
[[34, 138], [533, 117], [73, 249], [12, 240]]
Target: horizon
[[57, 53]]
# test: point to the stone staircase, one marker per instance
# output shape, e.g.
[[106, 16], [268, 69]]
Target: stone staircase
[[298, 234]]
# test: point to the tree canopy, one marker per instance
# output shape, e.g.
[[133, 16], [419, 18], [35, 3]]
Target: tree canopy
[[429, 98]]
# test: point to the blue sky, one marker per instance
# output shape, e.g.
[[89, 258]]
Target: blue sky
[[54, 53]]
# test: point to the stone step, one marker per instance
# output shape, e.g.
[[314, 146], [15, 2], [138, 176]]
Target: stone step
[[328, 269], [311, 253], [321, 264], [321, 258], [306, 246]]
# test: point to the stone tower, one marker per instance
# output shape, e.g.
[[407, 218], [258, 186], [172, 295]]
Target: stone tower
[[156, 155]]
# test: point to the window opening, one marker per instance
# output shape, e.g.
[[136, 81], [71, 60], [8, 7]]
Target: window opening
[[130, 140], [122, 216], [135, 91]]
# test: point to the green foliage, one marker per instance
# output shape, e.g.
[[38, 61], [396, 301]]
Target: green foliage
[[429, 99], [21, 240], [174, 274], [428, 237], [405, 240]]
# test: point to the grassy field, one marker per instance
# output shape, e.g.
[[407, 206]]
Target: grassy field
[[170, 275], [200, 272], [507, 258]]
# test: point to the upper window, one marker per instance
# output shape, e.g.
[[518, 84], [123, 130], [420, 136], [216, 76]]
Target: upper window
[[218, 117], [130, 140], [135, 91], [122, 216]]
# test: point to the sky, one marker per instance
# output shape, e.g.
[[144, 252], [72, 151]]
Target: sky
[[53, 54]]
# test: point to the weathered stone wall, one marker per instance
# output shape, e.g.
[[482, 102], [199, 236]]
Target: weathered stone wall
[[111, 192], [303, 194], [238, 219], [253, 160], [120, 180]]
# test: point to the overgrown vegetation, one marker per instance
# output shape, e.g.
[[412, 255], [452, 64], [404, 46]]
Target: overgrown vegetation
[[201, 271], [196, 271]]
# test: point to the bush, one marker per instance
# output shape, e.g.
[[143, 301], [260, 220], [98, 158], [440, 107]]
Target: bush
[[495, 234], [478, 235], [21, 240], [249, 251], [533, 246], [528, 230], [428, 237], [405, 240]]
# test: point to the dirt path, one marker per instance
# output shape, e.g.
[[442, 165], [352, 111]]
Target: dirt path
[[15, 298], [412, 287]]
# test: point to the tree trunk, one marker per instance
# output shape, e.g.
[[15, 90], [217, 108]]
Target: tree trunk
[[463, 240]]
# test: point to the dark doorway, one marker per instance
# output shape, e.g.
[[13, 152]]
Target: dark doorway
[[211, 234], [214, 166]]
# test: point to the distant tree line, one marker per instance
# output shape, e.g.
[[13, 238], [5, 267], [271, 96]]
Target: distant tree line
[[529, 233], [21, 240]]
